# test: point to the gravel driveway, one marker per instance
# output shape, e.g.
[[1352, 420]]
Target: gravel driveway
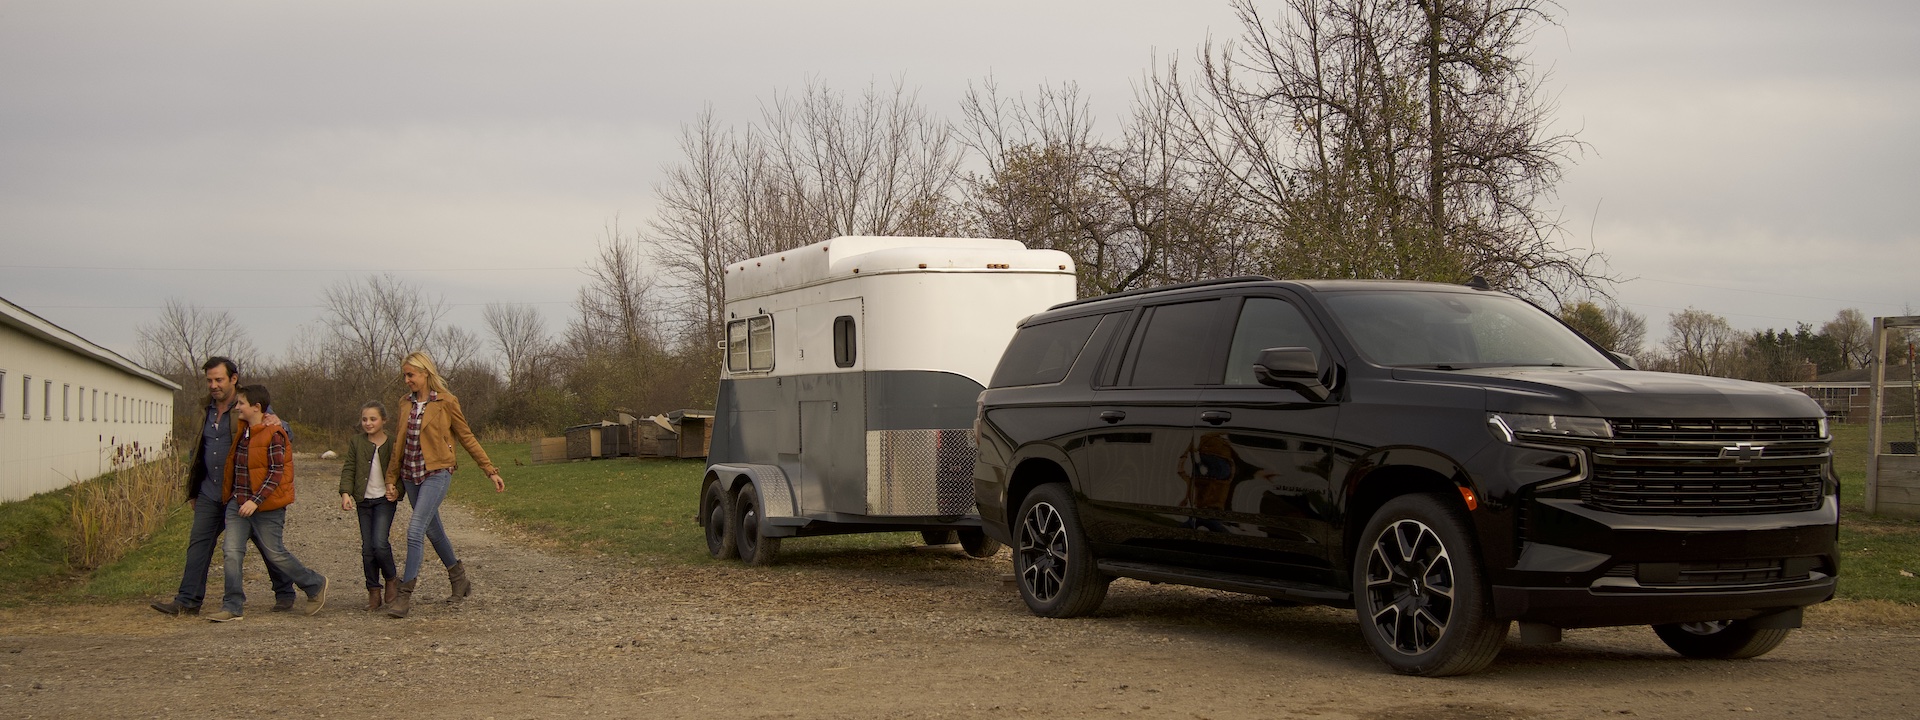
[[549, 633]]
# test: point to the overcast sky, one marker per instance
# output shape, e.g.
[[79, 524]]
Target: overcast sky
[[1753, 160]]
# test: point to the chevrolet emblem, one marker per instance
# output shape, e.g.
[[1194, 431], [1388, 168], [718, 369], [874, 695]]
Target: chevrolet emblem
[[1742, 453]]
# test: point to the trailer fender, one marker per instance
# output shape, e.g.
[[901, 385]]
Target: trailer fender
[[776, 494]]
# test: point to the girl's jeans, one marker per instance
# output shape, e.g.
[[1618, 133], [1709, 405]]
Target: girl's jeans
[[425, 526], [376, 553]]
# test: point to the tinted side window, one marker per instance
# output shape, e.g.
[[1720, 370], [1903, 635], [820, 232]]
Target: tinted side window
[[1265, 323], [1041, 354], [1173, 348]]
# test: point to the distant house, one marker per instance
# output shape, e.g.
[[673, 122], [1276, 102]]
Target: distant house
[[67, 405], [1846, 394]]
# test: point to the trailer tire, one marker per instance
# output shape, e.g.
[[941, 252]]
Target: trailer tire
[[937, 537], [977, 544], [755, 547], [722, 543]]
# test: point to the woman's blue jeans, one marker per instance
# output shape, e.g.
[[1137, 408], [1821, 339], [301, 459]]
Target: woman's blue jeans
[[376, 553], [424, 526]]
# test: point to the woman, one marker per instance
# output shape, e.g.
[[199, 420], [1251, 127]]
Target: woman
[[425, 462]]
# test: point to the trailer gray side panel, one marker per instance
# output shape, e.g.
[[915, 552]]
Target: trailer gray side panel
[[873, 443]]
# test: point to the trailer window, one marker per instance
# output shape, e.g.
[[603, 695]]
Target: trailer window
[[760, 343], [844, 348], [750, 344]]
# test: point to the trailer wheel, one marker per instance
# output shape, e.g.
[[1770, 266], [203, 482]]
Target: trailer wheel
[[721, 540], [937, 537], [977, 544], [755, 548]]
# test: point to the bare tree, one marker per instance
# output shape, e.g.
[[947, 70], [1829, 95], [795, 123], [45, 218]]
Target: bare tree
[[1630, 328], [1395, 140], [1852, 334], [880, 166], [374, 322], [1702, 343], [185, 335], [519, 335]]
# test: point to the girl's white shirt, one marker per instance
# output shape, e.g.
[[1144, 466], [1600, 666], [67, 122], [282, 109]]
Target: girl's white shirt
[[376, 480]]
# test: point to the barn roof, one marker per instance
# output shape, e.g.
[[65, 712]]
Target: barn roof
[[25, 321]]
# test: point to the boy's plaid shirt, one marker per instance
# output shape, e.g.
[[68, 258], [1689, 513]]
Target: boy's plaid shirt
[[413, 463], [276, 468]]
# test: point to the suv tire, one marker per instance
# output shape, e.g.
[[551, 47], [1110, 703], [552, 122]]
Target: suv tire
[[1722, 640], [1419, 593], [1051, 558], [720, 526]]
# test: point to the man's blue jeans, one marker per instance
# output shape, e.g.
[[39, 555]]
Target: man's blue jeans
[[425, 526], [267, 526], [376, 552], [209, 520]]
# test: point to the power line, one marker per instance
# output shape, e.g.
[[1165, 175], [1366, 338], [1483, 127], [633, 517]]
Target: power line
[[283, 269], [267, 307]]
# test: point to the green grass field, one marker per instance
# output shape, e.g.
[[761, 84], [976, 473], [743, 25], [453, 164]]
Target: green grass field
[[644, 509]]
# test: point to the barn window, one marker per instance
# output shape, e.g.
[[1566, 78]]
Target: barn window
[[845, 348], [66, 402], [3, 393], [26, 397], [46, 401]]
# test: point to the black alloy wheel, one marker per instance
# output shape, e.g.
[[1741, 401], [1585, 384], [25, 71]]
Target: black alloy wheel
[[1418, 591], [1051, 558], [1721, 639]]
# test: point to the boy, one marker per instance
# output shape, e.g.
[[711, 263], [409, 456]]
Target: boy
[[257, 491]]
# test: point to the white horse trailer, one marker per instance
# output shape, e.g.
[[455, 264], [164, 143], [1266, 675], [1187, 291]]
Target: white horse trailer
[[851, 375]]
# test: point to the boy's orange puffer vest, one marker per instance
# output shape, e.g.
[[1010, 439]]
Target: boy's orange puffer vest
[[257, 466]]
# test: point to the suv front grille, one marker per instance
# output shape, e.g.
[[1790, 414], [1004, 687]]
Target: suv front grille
[[1748, 429], [1709, 467]]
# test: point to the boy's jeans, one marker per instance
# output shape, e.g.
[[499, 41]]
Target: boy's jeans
[[269, 525]]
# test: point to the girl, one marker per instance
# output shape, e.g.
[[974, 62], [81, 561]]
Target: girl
[[363, 486], [424, 466]]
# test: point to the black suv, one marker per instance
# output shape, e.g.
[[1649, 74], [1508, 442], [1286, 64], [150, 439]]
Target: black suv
[[1445, 459]]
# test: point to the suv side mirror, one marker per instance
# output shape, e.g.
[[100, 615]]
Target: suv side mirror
[[1293, 368], [1630, 361]]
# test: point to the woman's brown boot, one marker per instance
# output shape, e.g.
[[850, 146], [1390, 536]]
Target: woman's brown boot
[[374, 599], [457, 575], [402, 602]]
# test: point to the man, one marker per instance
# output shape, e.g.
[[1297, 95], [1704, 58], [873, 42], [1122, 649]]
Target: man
[[204, 478], [256, 491]]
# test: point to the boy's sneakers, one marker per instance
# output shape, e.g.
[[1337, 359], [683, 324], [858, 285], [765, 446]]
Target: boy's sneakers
[[223, 616], [173, 608], [318, 599]]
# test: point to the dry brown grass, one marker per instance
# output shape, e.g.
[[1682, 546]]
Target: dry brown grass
[[116, 513], [1865, 612]]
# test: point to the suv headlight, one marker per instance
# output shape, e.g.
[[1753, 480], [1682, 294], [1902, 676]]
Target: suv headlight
[[1509, 426]]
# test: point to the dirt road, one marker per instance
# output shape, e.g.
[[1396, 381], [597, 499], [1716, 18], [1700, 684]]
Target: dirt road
[[934, 635]]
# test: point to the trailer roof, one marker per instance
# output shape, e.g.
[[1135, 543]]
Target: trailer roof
[[850, 256]]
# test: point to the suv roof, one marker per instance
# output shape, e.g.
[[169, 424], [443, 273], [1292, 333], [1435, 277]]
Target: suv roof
[[1306, 285]]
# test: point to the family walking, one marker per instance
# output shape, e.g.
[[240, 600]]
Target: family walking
[[240, 483]]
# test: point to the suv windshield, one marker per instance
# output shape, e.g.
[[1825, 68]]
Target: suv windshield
[[1450, 330]]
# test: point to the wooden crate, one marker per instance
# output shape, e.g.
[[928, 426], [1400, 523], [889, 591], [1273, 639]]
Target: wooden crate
[[583, 442], [1899, 487], [548, 450], [696, 435]]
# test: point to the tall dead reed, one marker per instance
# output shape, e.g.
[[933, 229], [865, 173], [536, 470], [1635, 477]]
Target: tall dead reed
[[114, 513]]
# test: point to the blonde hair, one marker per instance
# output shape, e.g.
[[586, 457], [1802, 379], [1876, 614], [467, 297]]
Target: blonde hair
[[419, 360]]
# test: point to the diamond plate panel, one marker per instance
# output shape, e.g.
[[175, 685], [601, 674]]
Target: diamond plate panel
[[920, 472]]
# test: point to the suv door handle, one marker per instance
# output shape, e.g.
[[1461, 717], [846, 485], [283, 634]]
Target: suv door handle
[[1113, 416], [1215, 417]]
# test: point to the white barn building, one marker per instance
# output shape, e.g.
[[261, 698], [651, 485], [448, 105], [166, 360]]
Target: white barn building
[[67, 405]]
